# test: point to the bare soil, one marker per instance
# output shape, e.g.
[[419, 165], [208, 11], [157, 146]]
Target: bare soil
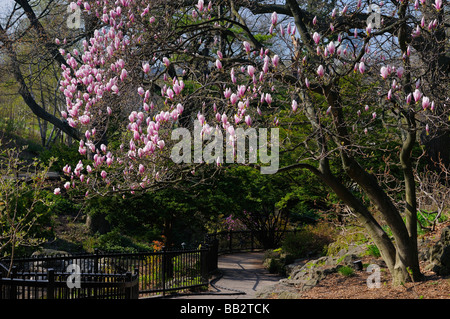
[[337, 286]]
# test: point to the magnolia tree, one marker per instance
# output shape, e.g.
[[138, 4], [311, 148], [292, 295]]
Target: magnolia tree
[[165, 90]]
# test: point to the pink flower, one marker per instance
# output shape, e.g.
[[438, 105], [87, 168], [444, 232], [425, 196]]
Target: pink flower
[[233, 98], [103, 174], [57, 191], [166, 62], [146, 67], [219, 64], [248, 120], [275, 60], [438, 5], [200, 5], [369, 29], [314, 20], [362, 67], [400, 72], [170, 93], [321, 71], [331, 47], [247, 47], [251, 70], [274, 18], [384, 72], [123, 75], [417, 95], [425, 102], [268, 98], [409, 98], [316, 37], [294, 105], [67, 185]]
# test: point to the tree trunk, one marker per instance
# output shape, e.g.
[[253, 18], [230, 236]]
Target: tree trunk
[[405, 236]]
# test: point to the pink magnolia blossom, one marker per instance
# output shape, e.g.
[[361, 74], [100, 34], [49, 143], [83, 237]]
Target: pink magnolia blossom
[[384, 72], [248, 120], [233, 98], [219, 64], [320, 71], [426, 102], [247, 47], [274, 18], [409, 98], [57, 191], [275, 60], [316, 37], [294, 105], [362, 67], [417, 95], [438, 5], [200, 5]]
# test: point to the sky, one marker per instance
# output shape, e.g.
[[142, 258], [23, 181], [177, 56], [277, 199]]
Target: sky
[[5, 7]]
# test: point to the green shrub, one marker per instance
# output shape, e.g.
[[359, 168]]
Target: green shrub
[[372, 250], [310, 240], [114, 241], [346, 271]]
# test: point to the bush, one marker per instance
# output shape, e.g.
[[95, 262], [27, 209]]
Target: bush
[[346, 271], [311, 240], [372, 250], [114, 241]]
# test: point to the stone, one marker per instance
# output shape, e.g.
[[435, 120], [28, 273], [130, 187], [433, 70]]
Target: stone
[[439, 255]]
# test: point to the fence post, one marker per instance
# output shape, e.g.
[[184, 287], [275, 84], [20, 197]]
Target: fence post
[[96, 260], [128, 289], [135, 288], [51, 283], [164, 269], [13, 290], [204, 251]]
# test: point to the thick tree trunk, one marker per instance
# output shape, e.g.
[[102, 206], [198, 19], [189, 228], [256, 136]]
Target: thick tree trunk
[[406, 267]]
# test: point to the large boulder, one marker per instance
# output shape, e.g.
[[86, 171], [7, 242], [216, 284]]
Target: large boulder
[[439, 256]]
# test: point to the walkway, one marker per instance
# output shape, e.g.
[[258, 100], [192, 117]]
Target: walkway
[[242, 276]]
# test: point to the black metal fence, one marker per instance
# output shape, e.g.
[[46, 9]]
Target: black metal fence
[[125, 275], [244, 240], [107, 275], [54, 285]]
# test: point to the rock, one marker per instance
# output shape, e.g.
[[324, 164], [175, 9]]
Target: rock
[[42, 265], [439, 255]]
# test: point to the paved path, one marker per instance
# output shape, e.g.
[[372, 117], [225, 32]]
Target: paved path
[[242, 276]]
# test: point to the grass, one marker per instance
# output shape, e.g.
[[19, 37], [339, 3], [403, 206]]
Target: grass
[[346, 271]]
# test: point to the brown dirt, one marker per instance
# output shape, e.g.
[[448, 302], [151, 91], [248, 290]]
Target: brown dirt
[[337, 286]]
